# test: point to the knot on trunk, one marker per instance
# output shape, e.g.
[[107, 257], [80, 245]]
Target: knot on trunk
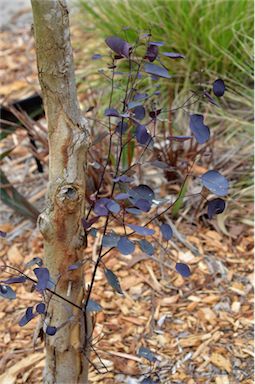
[[68, 197]]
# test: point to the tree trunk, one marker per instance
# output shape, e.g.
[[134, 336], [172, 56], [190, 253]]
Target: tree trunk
[[60, 223]]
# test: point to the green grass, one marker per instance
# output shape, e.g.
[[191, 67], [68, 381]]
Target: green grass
[[215, 35]]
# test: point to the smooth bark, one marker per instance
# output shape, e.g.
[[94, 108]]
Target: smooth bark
[[60, 223]]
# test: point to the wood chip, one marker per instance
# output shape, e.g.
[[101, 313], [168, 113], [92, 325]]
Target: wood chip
[[221, 362]]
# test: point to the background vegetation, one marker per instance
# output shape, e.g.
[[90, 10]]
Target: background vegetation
[[216, 36]]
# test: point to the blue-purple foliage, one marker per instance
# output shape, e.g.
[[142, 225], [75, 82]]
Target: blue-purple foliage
[[129, 214]]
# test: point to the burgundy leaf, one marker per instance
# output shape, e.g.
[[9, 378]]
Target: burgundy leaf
[[215, 182], [43, 277], [35, 260], [14, 280], [173, 55], [100, 207], [219, 87], [134, 211], [111, 112], [144, 231], [156, 70], [143, 204], [139, 112], [113, 206], [119, 46], [142, 135], [125, 246], [140, 96], [157, 43], [146, 247], [110, 240], [166, 231], [151, 53], [179, 138], [199, 129], [27, 317], [122, 196], [50, 331], [113, 280], [183, 269], [7, 292], [154, 114], [41, 308], [215, 207]]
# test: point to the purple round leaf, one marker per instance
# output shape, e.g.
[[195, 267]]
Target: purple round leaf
[[146, 247], [110, 240], [215, 182], [142, 191], [142, 135], [123, 179], [139, 112], [33, 261], [143, 204], [27, 317], [43, 277], [140, 96], [151, 53], [15, 280], [50, 331], [93, 306], [156, 70], [121, 196], [134, 104], [174, 55], [215, 207], [113, 280], [41, 308], [157, 43], [119, 46], [199, 129], [7, 292], [183, 269], [125, 246], [219, 88], [111, 112], [166, 231], [113, 207], [144, 231], [134, 211], [100, 207]]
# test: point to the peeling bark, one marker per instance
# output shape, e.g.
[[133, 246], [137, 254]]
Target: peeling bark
[[60, 223]]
